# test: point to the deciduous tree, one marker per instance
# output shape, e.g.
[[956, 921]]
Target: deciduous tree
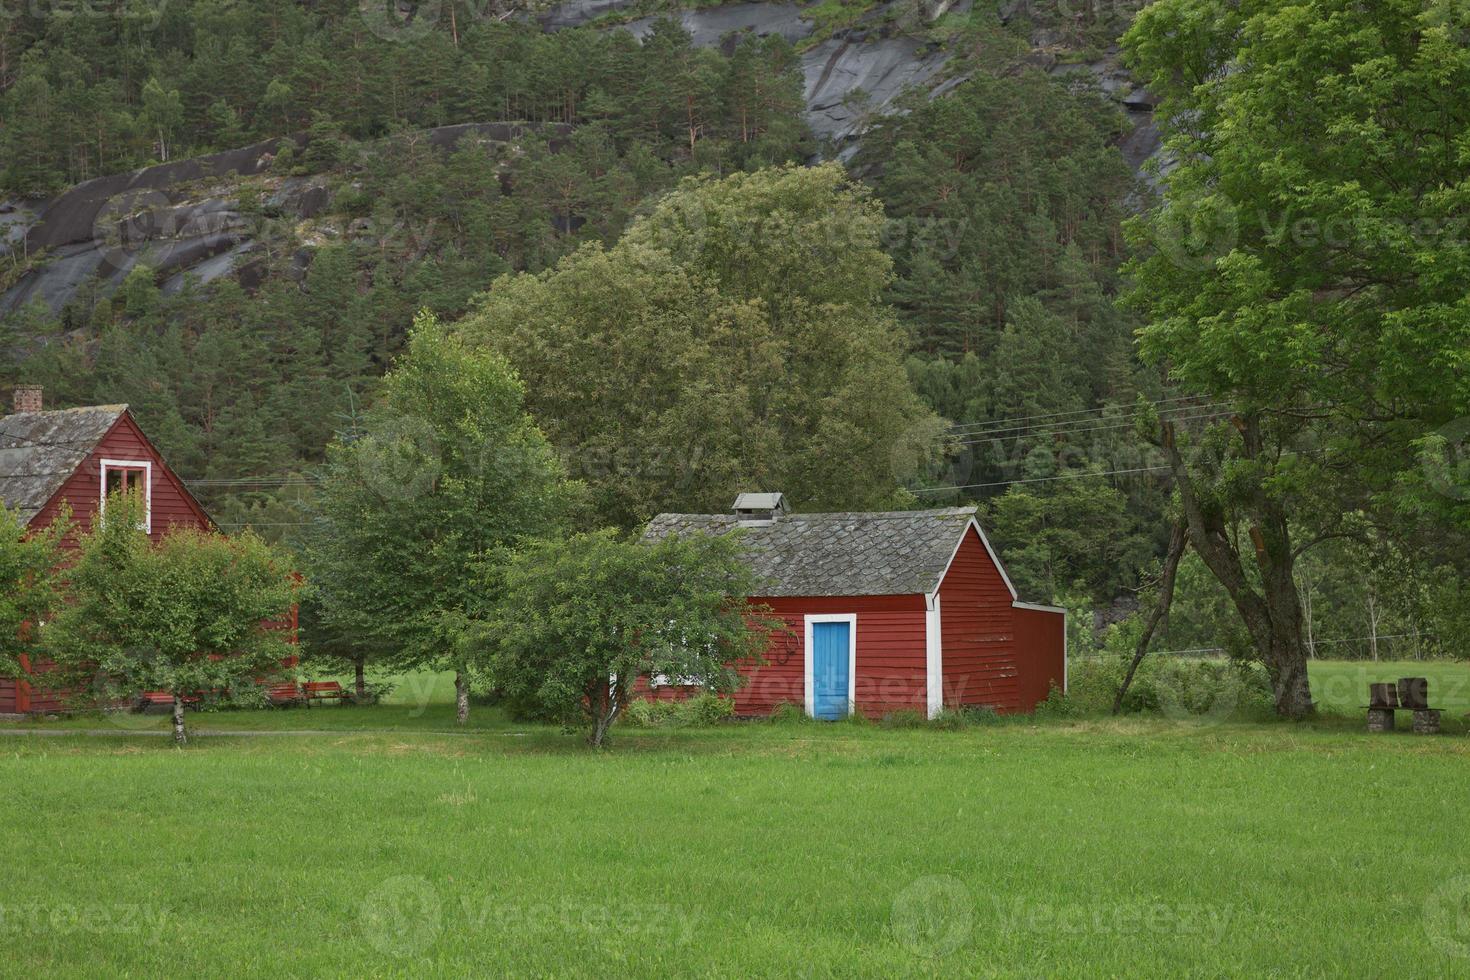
[[423, 492], [579, 623], [28, 585], [1307, 267], [735, 337], [191, 615]]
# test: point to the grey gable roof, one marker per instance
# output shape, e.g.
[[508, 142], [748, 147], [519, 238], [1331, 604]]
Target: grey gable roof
[[39, 450], [879, 553]]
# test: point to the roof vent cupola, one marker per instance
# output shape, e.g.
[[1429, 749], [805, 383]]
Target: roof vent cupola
[[760, 509]]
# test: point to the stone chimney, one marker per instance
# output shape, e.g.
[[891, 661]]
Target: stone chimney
[[28, 398], [759, 509]]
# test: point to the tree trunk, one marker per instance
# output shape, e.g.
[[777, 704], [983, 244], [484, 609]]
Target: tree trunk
[[1304, 588], [605, 706], [461, 698], [1372, 601], [359, 680], [181, 738], [1178, 541], [1273, 614]]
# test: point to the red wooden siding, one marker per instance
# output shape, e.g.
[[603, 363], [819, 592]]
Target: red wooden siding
[[993, 653], [890, 655], [976, 623], [1040, 652], [172, 505]]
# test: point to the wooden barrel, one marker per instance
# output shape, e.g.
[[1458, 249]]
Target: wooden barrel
[[1414, 693], [1383, 696]]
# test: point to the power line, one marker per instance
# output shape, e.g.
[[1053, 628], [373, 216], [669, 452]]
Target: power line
[[1084, 475], [1058, 415], [1071, 424], [265, 523], [988, 437], [248, 484], [1053, 415], [1041, 479]]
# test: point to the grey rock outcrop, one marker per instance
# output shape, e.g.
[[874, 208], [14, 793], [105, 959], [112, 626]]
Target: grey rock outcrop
[[96, 232], [184, 219], [850, 76]]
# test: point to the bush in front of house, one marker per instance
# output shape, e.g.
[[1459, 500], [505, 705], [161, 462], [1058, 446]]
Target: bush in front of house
[[703, 710], [788, 713], [191, 613], [577, 621]]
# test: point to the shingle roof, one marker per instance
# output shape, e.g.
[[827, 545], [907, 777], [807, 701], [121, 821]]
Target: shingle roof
[[878, 553], [39, 450]]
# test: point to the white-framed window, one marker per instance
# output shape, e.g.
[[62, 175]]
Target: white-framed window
[[130, 476]]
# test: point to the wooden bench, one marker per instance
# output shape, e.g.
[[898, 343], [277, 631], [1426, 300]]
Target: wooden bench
[[162, 699], [285, 693], [325, 691]]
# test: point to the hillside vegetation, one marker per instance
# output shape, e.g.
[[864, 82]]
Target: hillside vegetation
[[420, 160]]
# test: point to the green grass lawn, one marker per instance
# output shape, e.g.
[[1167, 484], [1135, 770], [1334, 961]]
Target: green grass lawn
[[1342, 685], [1094, 847]]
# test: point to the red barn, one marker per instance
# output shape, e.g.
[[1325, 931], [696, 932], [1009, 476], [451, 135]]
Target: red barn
[[887, 611], [76, 457]]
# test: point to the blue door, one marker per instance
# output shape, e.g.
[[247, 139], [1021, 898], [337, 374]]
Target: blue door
[[830, 647]]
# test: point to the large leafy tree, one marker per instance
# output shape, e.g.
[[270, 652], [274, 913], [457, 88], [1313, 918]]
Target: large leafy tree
[[579, 623], [423, 493], [28, 586], [1307, 267], [735, 338], [189, 615]]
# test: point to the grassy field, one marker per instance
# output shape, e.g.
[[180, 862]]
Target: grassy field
[[425, 703], [1096, 847], [1342, 685]]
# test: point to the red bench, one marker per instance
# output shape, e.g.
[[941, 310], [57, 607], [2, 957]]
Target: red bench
[[325, 691], [285, 693], [154, 699]]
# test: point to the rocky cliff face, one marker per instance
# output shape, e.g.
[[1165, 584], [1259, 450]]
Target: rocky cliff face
[[182, 219], [862, 70], [855, 72], [179, 217], [186, 219]]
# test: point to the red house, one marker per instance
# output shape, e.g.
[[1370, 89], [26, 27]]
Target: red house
[[76, 457], [887, 611]]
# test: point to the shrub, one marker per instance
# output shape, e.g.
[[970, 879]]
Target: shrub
[[965, 716], [707, 709], [373, 692], [701, 711], [244, 696], [789, 714], [1165, 685], [1059, 705]]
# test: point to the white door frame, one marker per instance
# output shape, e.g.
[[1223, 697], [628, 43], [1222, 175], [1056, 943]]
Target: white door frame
[[811, 619]]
